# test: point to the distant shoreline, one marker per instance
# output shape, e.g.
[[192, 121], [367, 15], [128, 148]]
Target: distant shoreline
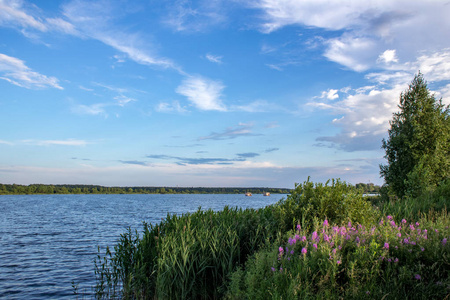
[[52, 189], [48, 189]]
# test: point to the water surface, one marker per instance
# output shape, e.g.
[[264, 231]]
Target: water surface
[[48, 241]]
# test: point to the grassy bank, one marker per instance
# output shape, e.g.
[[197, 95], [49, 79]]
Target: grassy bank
[[322, 241]]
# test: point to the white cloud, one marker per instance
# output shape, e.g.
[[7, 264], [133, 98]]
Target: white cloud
[[365, 28], [183, 16], [17, 14], [93, 109], [16, 72], [13, 14], [171, 107], [122, 100], [203, 93], [59, 24], [388, 56], [255, 106], [6, 143], [214, 58], [353, 53], [331, 94], [435, 66], [363, 118], [68, 142], [95, 21]]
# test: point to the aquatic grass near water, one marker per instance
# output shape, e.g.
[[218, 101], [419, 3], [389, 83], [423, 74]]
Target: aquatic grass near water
[[184, 257]]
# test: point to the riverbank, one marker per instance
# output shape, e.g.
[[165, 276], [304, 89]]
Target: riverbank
[[323, 240]]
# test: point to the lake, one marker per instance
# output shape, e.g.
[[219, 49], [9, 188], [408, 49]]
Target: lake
[[49, 241]]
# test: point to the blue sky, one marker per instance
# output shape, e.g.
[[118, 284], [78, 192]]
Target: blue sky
[[209, 93]]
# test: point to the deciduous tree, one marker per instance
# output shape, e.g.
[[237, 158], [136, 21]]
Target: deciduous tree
[[418, 147]]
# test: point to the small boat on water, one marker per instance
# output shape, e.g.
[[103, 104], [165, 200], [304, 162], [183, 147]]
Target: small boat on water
[[248, 194], [266, 194]]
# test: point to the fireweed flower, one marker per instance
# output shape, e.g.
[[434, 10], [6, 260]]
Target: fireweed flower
[[273, 269], [315, 246], [325, 223], [314, 236], [297, 237], [386, 246], [304, 251], [403, 221], [417, 277], [389, 217], [338, 262], [281, 250], [444, 241]]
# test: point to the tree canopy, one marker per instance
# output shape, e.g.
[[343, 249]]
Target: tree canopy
[[418, 146]]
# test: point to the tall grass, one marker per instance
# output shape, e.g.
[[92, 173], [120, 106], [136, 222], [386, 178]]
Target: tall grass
[[187, 256], [283, 252]]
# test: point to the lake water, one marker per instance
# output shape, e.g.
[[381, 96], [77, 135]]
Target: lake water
[[48, 241]]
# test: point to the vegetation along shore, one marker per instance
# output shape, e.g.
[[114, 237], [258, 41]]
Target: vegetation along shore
[[324, 241]]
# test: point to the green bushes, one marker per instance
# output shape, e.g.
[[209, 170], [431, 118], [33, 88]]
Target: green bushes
[[283, 251], [338, 202]]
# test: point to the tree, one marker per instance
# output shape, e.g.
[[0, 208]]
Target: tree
[[418, 147]]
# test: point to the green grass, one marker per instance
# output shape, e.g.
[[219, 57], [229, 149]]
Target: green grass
[[236, 254]]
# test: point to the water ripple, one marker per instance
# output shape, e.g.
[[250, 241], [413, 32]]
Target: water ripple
[[49, 241]]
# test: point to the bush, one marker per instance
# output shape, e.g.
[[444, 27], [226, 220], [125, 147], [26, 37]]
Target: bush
[[411, 208], [337, 202]]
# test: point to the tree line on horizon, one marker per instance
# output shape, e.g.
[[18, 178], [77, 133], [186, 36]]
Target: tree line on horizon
[[17, 189]]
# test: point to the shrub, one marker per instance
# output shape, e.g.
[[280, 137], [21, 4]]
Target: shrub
[[337, 202]]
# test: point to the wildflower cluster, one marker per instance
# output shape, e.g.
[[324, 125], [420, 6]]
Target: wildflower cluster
[[384, 246]]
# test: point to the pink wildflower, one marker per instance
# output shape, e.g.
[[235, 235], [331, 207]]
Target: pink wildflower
[[417, 277], [314, 236], [304, 250], [386, 246], [315, 246], [299, 227], [403, 221], [325, 223], [444, 241]]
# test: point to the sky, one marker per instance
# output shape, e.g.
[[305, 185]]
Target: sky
[[213, 93]]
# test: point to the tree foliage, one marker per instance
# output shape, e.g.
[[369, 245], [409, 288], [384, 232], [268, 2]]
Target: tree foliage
[[418, 147]]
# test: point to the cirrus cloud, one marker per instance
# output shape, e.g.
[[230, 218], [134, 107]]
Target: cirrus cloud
[[16, 72]]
